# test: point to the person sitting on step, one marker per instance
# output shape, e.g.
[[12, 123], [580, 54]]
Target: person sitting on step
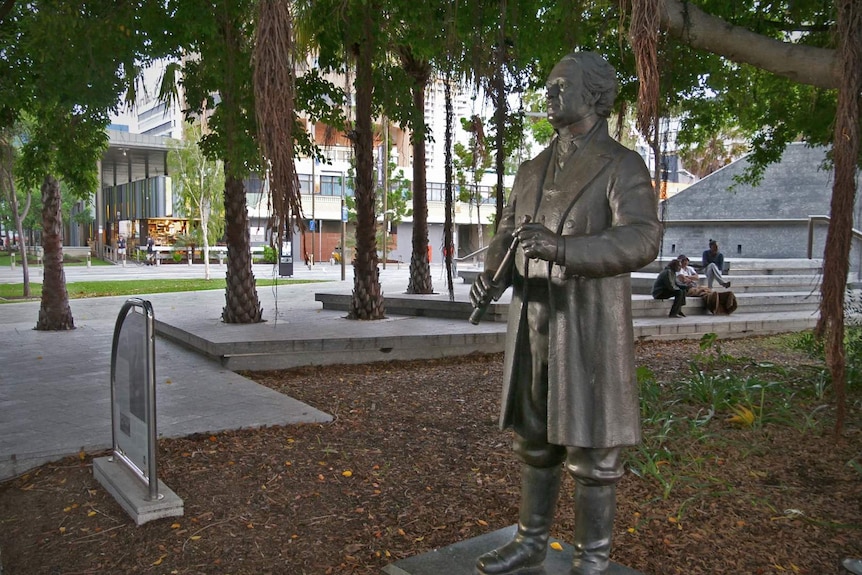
[[665, 287], [713, 263], [686, 277]]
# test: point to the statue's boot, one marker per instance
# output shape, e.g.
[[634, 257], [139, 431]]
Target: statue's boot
[[525, 554], [594, 524]]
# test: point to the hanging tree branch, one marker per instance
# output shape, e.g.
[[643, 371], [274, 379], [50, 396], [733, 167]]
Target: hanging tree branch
[[644, 33], [274, 86]]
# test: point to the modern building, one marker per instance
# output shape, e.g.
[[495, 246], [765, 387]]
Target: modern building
[[132, 176], [149, 115], [135, 198]]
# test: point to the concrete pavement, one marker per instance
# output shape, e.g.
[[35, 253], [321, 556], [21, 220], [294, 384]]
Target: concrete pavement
[[54, 386]]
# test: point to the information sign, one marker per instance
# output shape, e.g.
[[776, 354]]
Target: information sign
[[133, 391]]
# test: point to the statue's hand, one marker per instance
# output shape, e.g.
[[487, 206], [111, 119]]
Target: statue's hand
[[482, 289], [538, 242]]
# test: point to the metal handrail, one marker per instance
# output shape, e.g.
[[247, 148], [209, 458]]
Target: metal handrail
[[811, 221], [473, 255]]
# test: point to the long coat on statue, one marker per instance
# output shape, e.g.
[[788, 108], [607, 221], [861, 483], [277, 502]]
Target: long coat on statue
[[605, 208]]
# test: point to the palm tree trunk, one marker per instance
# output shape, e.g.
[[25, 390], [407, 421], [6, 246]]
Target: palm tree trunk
[[242, 304], [55, 313], [420, 268], [367, 300]]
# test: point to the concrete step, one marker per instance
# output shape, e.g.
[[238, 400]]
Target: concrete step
[[752, 266], [643, 306], [642, 283], [758, 302], [726, 326]]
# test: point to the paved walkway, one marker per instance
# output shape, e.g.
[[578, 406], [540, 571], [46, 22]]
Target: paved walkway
[[54, 386]]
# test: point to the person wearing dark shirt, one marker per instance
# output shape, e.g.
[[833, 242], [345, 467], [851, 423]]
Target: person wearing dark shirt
[[713, 263], [665, 287]]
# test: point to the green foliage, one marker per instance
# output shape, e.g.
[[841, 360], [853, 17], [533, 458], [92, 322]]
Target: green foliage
[[719, 391], [219, 79], [398, 199], [543, 131], [65, 65], [322, 101], [270, 255], [815, 347], [710, 349], [198, 182], [810, 344]]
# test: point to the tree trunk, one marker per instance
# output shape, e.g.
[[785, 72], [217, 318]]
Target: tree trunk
[[8, 183], [205, 232], [367, 300], [242, 304], [499, 88], [448, 224], [839, 237], [55, 313], [22, 244], [499, 95], [420, 268]]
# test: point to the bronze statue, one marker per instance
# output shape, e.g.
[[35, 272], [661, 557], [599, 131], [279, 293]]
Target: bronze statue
[[582, 215]]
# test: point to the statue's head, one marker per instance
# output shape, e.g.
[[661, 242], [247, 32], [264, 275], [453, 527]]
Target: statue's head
[[581, 84]]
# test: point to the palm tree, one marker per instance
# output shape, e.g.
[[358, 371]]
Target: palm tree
[[367, 300], [419, 72], [54, 313], [221, 41], [351, 30]]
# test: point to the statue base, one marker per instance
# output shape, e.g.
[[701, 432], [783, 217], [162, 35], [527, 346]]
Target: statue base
[[460, 558]]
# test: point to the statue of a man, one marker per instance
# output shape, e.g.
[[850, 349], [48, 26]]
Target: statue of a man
[[569, 388]]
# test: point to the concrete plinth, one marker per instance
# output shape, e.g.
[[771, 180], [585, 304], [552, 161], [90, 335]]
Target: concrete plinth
[[131, 493], [460, 558]]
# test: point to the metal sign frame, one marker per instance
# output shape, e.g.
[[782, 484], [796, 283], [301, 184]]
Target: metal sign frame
[[149, 475]]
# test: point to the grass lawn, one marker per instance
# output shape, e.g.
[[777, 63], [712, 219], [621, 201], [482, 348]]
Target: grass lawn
[[12, 292], [5, 260]]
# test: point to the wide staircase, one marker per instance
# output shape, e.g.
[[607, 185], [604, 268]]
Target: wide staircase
[[774, 296]]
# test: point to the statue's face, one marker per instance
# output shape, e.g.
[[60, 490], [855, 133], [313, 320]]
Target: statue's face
[[567, 99]]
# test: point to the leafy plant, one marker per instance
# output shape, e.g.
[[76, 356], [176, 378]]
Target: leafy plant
[[710, 350], [743, 416], [270, 256], [656, 463]]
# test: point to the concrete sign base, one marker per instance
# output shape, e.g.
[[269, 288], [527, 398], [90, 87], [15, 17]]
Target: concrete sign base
[[133, 495]]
